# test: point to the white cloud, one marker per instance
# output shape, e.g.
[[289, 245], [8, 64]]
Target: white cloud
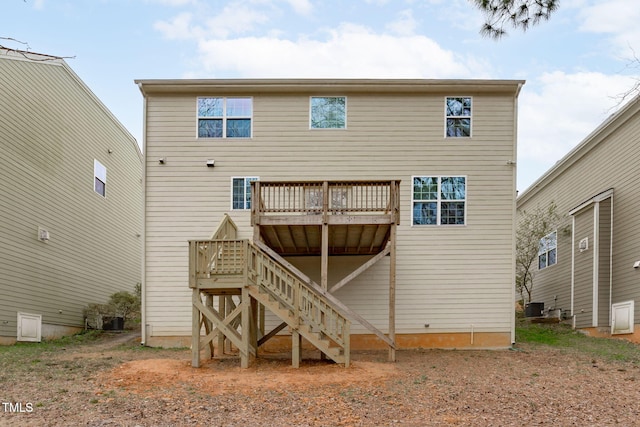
[[233, 19], [174, 2], [302, 7], [180, 27], [348, 51], [404, 25], [558, 110], [619, 19]]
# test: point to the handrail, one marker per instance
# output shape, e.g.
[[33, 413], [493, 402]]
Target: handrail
[[297, 296]]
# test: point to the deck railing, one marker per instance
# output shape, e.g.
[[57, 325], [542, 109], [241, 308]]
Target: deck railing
[[312, 309], [318, 197], [215, 257]]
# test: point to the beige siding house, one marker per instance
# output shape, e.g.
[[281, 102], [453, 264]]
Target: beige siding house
[[591, 268], [440, 151], [70, 199]]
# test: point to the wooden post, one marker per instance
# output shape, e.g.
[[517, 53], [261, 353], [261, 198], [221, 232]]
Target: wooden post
[[245, 325], [324, 251], [246, 312], [392, 292], [296, 353], [195, 330], [254, 324], [222, 309]]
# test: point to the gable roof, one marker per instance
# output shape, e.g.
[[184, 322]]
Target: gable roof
[[50, 60]]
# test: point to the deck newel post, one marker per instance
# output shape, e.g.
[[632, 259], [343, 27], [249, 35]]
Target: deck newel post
[[195, 332], [392, 275]]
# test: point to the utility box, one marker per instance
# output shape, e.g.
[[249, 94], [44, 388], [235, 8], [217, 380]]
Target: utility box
[[534, 309], [112, 323]]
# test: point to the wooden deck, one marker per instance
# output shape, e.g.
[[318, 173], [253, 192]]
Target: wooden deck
[[320, 218], [290, 217]]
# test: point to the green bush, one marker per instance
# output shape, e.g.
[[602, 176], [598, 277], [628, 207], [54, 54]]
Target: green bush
[[121, 304]]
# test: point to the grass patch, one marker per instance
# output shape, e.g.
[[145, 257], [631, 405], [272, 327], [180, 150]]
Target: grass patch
[[564, 337]]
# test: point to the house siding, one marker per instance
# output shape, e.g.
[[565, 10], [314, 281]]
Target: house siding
[[453, 278], [51, 130], [606, 159]]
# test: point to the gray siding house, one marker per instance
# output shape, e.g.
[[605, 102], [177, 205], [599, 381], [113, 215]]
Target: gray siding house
[[70, 199], [589, 266], [440, 152]]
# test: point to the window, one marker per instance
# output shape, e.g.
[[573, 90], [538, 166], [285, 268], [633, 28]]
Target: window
[[458, 117], [328, 112], [241, 192], [99, 178], [547, 250], [224, 117], [439, 200]]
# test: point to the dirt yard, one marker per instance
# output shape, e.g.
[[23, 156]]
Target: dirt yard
[[116, 382]]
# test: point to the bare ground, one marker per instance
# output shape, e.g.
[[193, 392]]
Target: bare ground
[[116, 382]]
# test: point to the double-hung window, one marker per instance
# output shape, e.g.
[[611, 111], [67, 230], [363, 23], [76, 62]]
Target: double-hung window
[[547, 250], [328, 112], [439, 200], [458, 117], [224, 117], [241, 192], [99, 178]]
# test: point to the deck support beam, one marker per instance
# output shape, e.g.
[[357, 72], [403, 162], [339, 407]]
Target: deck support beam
[[392, 292]]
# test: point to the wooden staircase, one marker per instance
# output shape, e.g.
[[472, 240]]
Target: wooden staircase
[[262, 279], [299, 305]]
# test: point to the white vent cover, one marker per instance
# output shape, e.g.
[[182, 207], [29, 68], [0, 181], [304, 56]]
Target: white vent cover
[[584, 244], [622, 318], [29, 327]]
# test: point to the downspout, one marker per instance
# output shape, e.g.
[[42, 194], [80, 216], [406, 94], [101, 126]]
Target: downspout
[[514, 188], [611, 262], [573, 266], [143, 295], [596, 266]]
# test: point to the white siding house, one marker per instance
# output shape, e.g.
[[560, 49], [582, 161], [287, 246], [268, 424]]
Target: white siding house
[[451, 145], [70, 199]]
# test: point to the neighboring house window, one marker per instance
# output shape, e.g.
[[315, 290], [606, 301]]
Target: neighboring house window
[[458, 117], [224, 117], [547, 250], [439, 200], [328, 112], [99, 178], [241, 192]]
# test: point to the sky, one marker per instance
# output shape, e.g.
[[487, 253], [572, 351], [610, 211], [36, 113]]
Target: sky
[[576, 65]]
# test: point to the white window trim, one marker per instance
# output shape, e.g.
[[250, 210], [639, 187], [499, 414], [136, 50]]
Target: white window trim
[[345, 112], [439, 200], [256, 178], [458, 117], [100, 173], [224, 117], [547, 252]]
